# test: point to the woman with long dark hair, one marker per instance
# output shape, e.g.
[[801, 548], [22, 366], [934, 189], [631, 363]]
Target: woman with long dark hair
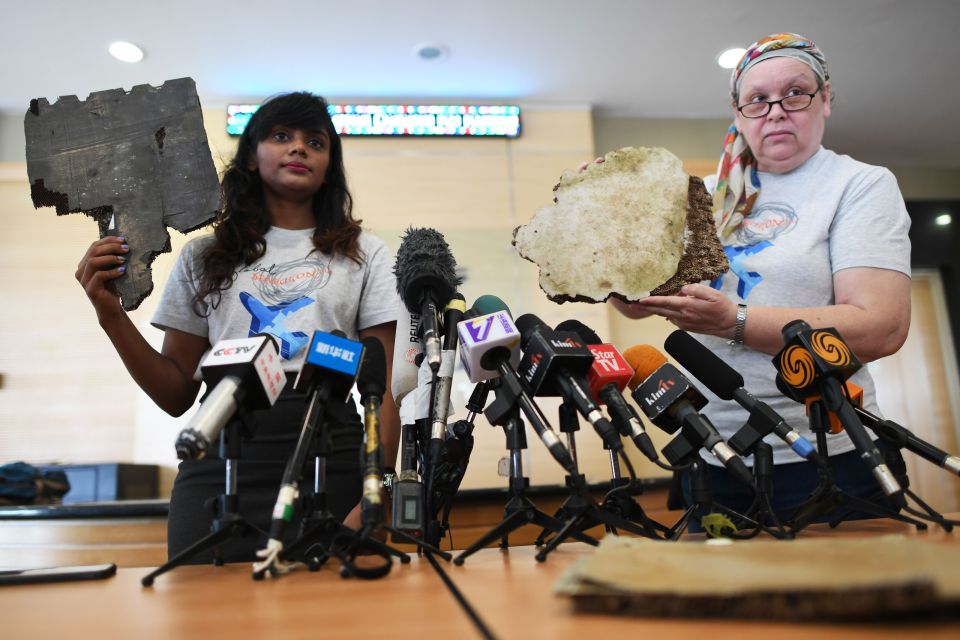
[[286, 257]]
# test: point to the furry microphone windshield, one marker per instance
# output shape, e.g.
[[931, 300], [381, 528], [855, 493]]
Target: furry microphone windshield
[[425, 267]]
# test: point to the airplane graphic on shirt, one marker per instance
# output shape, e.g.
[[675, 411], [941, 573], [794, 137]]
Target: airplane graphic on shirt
[[747, 280], [272, 319], [758, 231]]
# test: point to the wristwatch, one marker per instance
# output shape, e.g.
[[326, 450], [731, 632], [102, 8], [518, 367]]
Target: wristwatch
[[739, 327]]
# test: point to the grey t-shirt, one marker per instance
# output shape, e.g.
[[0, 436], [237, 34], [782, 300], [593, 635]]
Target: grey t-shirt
[[290, 292], [830, 213]]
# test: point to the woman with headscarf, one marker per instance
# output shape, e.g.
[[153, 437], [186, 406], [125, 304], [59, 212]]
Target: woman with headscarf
[[810, 235]]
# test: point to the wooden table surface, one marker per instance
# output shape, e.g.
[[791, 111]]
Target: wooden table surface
[[511, 591]]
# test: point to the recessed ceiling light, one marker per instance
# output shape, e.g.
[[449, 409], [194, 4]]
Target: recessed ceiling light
[[943, 219], [431, 51], [126, 52], [729, 58]]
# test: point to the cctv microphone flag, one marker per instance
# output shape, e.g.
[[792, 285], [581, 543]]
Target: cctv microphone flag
[[237, 372], [234, 357]]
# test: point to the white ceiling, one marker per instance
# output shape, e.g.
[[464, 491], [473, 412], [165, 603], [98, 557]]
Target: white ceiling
[[895, 63]]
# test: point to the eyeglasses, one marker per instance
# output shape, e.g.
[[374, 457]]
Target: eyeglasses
[[796, 102]]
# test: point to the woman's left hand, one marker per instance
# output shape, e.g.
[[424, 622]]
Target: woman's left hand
[[696, 308]]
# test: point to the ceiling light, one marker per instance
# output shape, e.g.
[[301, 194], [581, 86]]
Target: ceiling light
[[431, 51], [126, 52], [943, 219], [729, 58]]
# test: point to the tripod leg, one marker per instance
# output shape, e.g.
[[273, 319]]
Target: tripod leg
[[560, 537], [677, 530], [637, 514], [614, 521], [396, 533], [543, 520], [514, 521], [853, 503], [214, 539], [562, 515], [935, 515]]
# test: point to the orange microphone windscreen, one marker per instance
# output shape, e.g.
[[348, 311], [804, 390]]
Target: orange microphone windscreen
[[856, 399], [645, 360]]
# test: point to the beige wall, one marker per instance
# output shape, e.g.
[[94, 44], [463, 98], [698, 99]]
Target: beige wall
[[66, 397]]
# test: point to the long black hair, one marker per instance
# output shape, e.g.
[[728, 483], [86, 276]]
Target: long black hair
[[240, 226]]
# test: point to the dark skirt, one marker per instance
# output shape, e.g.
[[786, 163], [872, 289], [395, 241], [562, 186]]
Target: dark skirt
[[794, 483], [268, 441]]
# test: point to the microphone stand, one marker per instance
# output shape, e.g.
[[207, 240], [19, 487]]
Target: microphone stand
[[519, 509], [429, 458], [619, 500], [227, 521], [454, 463], [575, 503], [748, 440], [321, 529], [762, 508], [894, 435], [828, 495], [579, 510], [680, 453]]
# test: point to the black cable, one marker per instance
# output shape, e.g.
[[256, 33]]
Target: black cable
[[669, 467], [471, 613], [630, 470]]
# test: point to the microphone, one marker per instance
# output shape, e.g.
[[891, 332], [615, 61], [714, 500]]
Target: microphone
[[671, 402], [247, 371], [553, 364], [819, 361], [441, 394], [484, 305], [426, 277], [886, 429], [901, 436], [371, 383], [452, 315], [487, 341], [489, 348], [328, 373], [724, 381], [608, 376]]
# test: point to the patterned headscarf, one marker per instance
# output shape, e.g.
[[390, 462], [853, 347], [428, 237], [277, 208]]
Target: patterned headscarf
[[737, 180]]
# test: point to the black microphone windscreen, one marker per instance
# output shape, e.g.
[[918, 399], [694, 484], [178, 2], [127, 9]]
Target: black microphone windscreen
[[372, 379], [588, 335], [704, 364], [527, 324], [424, 262]]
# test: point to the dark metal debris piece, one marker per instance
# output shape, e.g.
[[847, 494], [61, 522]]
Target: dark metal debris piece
[[140, 155]]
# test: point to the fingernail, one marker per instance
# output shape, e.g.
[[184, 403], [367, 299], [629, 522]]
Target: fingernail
[[125, 246], [122, 238], [122, 268], [121, 259]]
